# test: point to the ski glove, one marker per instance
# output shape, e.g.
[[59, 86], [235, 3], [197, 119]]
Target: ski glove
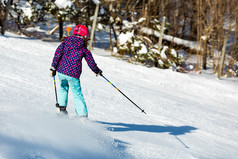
[[52, 71], [99, 73]]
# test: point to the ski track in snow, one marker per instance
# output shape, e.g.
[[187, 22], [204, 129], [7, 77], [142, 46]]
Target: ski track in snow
[[188, 115]]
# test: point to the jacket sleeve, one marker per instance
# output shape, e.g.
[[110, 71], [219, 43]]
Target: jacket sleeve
[[58, 55], [90, 60]]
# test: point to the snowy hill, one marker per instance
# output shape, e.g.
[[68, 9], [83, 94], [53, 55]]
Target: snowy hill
[[188, 115]]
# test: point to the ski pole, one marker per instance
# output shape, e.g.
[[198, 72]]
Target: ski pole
[[57, 104], [143, 111]]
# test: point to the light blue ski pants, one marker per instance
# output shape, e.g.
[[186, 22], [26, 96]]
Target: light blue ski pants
[[74, 84]]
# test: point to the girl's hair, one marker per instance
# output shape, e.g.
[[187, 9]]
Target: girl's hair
[[85, 39]]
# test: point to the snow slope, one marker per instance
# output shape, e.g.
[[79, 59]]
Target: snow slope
[[188, 115]]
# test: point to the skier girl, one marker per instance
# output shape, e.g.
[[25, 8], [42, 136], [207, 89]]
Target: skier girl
[[67, 62]]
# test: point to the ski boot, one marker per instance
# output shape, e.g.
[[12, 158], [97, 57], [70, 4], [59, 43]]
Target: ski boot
[[61, 111]]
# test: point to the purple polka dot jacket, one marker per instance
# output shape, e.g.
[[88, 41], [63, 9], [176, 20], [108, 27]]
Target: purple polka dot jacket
[[68, 57]]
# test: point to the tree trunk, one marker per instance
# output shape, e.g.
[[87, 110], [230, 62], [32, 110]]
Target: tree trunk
[[4, 24], [114, 33], [111, 49], [236, 30], [93, 27], [60, 28], [88, 15], [222, 58], [204, 60]]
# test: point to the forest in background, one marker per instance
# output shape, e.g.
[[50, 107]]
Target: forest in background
[[212, 24]]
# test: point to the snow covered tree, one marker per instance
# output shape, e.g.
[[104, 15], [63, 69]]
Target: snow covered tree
[[28, 13], [134, 41], [61, 10], [78, 12], [86, 13]]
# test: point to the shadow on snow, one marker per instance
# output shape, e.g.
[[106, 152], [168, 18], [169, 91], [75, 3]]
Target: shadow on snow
[[172, 130]]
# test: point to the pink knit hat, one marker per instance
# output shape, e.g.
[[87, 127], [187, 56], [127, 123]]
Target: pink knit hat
[[80, 30]]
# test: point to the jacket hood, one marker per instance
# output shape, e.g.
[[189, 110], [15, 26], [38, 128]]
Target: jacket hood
[[78, 42]]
